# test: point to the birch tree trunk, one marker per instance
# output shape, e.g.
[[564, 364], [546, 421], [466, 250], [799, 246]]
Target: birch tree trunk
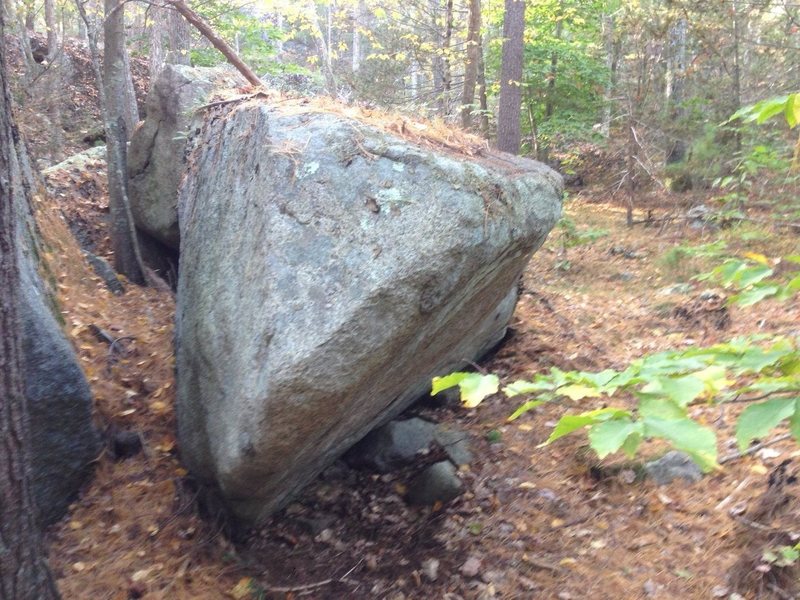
[[676, 70]]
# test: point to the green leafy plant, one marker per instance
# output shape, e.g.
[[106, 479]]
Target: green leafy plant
[[752, 279], [663, 387]]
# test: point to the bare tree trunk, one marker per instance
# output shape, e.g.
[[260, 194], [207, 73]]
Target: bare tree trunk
[[447, 74], [437, 59], [509, 132], [94, 50], [551, 78], [50, 25], [737, 77], [24, 574], [358, 11], [676, 71], [471, 65], [608, 92], [116, 115], [482, 98], [322, 48], [16, 22], [169, 39]]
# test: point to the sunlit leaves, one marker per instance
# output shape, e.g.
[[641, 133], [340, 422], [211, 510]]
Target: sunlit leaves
[[664, 386], [788, 106], [689, 436], [474, 386], [758, 419]]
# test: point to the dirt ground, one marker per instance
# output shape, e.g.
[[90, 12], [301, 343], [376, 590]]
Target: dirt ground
[[536, 522]]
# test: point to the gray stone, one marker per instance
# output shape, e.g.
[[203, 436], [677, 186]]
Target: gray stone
[[392, 445], [106, 272], [156, 157], [398, 442], [455, 443], [64, 442], [673, 465], [437, 483], [328, 271]]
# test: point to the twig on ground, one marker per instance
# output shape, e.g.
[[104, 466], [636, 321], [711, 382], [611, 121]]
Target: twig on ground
[[729, 498], [734, 455]]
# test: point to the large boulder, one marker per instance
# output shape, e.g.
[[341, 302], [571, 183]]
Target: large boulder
[[329, 270], [156, 158], [64, 442]]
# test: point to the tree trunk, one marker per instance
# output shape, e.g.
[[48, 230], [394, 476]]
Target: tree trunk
[[50, 25], [737, 76], [94, 50], [482, 97], [447, 74], [115, 112], [609, 48], [23, 569], [471, 64], [322, 48], [552, 76], [508, 116], [358, 11], [676, 71], [169, 39]]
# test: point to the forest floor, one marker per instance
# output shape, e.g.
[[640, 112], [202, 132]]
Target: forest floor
[[535, 522]]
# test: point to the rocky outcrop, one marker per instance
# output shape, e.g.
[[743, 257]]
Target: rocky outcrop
[[328, 271], [64, 441], [156, 160]]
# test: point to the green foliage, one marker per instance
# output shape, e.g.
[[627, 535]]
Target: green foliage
[[752, 279], [676, 255], [787, 106], [782, 556], [474, 387], [560, 102], [572, 236], [662, 387], [254, 37]]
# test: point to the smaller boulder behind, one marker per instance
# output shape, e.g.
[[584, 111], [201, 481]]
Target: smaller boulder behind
[[156, 158]]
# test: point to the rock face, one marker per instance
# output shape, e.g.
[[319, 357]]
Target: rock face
[[156, 157], [328, 271], [64, 441]]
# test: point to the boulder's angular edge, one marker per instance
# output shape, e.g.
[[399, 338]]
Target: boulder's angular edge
[[328, 271]]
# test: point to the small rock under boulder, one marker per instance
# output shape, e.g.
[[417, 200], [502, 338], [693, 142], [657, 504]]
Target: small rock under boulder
[[330, 269], [399, 442], [437, 483]]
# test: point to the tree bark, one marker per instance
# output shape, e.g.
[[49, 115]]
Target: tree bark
[[509, 131], [358, 11], [322, 48], [549, 105], [676, 72], [447, 73], [115, 112], [483, 100], [471, 64], [169, 39], [50, 25], [24, 574]]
